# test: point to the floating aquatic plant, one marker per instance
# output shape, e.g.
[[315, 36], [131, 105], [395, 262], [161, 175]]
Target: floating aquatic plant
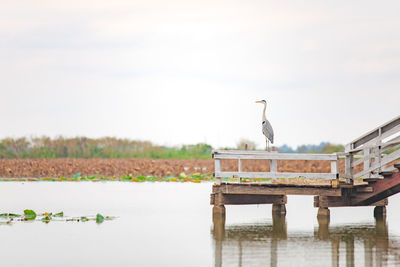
[[30, 215], [99, 218], [77, 177]]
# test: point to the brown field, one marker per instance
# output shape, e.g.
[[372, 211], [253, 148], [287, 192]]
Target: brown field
[[154, 167]]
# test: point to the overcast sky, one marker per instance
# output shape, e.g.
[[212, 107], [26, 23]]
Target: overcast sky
[[176, 72]]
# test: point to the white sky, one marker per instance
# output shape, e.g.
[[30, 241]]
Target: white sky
[[176, 72]]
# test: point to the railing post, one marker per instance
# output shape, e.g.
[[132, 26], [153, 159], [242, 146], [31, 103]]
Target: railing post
[[335, 170], [379, 151], [349, 168], [240, 169], [367, 160], [273, 165], [217, 169], [376, 154], [334, 166]]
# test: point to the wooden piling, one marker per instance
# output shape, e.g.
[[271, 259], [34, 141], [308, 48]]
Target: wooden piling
[[323, 212], [380, 212], [279, 209]]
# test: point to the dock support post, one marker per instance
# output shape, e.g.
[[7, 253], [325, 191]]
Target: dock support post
[[219, 208], [323, 227], [279, 208], [219, 211], [380, 212], [323, 212]]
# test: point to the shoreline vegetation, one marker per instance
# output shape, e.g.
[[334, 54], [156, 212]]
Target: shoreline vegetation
[[194, 178], [114, 159], [182, 178], [162, 168], [111, 147]]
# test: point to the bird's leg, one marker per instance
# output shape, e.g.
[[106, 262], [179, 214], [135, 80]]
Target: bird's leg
[[266, 143]]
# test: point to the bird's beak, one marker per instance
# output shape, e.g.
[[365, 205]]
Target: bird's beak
[[258, 102]]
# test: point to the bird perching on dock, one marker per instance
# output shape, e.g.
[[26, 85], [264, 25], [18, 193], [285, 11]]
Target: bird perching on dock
[[266, 126]]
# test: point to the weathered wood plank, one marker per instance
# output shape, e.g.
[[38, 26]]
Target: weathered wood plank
[[366, 189], [275, 175], [382, 189], [332, 201], [226, 154], [246, 199], [255, 189]]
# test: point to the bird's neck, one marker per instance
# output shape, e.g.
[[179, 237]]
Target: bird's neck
[[264, 117]]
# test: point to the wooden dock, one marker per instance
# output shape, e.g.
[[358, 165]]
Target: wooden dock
[[377, 152]]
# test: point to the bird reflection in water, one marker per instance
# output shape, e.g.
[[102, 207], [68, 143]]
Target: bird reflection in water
[[271, 245]]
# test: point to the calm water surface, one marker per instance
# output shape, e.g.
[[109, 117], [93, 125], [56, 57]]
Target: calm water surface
[[170, 224]]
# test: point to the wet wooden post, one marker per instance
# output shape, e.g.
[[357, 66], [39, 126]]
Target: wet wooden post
[[323, 212], [279, 207], [323, 227], [218, 201], [380, 212], [219, 207]]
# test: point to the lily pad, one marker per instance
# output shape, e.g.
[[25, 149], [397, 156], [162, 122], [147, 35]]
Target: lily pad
[[60, 214], [99, 218], [9, 215], [29, 214], [46, 219]]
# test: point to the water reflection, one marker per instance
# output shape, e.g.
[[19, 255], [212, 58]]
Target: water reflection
[[272, 245]]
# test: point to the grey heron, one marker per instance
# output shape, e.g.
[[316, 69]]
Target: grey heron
[[266, 126]]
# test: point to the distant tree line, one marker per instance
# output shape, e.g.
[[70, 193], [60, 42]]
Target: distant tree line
[[107, 147], [323, 147], [111, 147]]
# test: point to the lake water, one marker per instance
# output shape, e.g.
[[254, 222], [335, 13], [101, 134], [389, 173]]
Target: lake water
[[170, 224]]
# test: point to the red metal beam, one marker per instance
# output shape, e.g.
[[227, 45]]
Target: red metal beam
[[381, 189]]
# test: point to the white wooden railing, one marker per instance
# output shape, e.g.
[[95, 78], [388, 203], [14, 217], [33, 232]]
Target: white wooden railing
[[238, 155], [375, 150]]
